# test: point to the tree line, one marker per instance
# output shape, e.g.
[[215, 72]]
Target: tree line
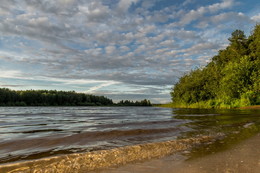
[[136, 103], [231, 79], [50, 98], [59, 98]]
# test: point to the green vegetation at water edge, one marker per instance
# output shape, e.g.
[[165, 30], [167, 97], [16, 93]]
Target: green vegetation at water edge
[[230, 80]]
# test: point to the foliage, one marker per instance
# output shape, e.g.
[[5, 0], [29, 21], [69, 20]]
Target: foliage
[[136, 103], [231, 79], [59, 98], [50, 98]]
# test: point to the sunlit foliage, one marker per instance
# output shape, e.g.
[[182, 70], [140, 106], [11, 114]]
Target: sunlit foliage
[[231, 79]]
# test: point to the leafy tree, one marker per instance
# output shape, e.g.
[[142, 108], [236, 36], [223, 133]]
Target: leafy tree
[[231, 78]]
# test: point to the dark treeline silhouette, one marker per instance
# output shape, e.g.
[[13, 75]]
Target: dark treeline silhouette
[[59, 98], [136, 103], [50, 98], [231, 79]]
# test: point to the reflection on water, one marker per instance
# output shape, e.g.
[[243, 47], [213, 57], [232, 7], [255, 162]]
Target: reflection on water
[[230, 127], [36, 132]]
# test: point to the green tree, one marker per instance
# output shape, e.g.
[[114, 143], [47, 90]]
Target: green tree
[[232, 77]]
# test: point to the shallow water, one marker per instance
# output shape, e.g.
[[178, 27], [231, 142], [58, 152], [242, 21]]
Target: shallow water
[[36, 132], [243, 157]]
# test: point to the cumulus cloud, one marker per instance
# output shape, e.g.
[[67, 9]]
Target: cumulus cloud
[[96, 45], [95, 11], [124, 5], [256, 18], [201, 11]]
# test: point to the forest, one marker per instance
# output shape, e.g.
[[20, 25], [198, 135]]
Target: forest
[[136, 103], [230, 79], [59, 98], [50, 98]]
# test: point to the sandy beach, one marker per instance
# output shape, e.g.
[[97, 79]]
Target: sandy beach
[[241, 158]]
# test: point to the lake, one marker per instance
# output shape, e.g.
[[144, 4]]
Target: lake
[[28, 133]]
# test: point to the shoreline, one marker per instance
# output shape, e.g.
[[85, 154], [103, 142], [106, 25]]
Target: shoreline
[[242, 157], [250, 107], [253, 107], [89, 161]]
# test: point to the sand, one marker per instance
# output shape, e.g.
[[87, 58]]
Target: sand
[[241, 158]]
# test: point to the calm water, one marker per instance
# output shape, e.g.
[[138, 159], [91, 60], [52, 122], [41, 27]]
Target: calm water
[[35, 132]]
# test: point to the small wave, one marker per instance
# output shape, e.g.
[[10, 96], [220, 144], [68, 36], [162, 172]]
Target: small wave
[[95, 139], [137, 124], [81, 162], [119, 134], [37, 131], [43, 131]]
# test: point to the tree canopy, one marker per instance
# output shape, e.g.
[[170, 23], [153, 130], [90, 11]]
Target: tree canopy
[[144, 102], [50, 98], [231, 79], [59, 98]]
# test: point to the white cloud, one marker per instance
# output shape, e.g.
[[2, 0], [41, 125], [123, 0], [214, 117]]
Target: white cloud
[[95, 11], [256, 18], [66, 2], [97, 87], [148, 4], [110, 49], [223, 5], [14, 74], [124, 48], [124, 5], [201, 11], [168, 43]]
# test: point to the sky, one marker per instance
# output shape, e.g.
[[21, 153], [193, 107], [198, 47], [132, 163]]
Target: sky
[[122, 49]]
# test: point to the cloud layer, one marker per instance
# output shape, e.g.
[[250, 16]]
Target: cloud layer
[[119, 48]]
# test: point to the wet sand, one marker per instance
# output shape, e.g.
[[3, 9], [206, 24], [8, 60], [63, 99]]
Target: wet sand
[[241, 158]]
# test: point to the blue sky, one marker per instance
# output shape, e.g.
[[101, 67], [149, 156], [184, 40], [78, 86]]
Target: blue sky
[[123, 49]]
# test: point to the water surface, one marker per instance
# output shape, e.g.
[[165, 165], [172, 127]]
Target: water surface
[[36, 132]]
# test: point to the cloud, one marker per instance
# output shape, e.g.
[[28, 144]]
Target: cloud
[[148, 4], [223, 5], [187, 2], [123, 5], [91, 45], [231, 16], [95, 11], [92, 89], [15, 74], [110, 49], [256, 18], [201, 11]]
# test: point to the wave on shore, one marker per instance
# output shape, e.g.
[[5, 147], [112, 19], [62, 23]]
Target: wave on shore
[[87, 161]]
